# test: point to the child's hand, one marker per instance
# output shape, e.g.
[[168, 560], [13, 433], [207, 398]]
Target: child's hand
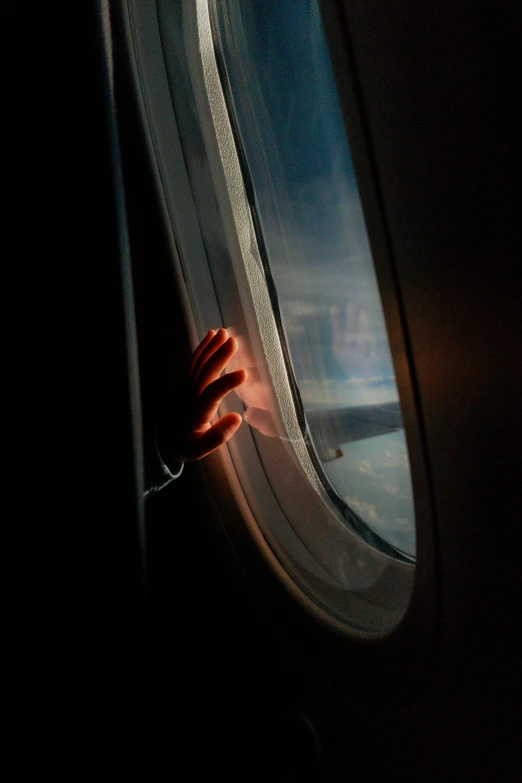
[[255, 393], [198, 437]]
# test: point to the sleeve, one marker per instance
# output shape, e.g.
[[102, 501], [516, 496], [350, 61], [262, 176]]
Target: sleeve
[[157, 473]]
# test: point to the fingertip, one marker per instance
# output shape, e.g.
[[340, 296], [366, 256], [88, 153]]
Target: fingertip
[[236, 421], [230, 424]]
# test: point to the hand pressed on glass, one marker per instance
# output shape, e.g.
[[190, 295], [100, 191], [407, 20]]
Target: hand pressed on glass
[[255, 393], [196, 437]]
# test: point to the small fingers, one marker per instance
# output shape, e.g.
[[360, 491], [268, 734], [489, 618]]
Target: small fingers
[[203, 344], [213, 345], [211, 397], [215, 364], [216, 436]]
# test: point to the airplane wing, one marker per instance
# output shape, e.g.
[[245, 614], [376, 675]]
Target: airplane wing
[[328, 429]]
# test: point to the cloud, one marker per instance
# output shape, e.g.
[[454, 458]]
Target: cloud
[[403, 524], [328, 392], [398, 458], [366, 511], [399, 531], [390, 489], [366, 466]]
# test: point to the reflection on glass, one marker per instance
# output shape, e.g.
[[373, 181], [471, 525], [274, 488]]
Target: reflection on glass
[[283, 96]]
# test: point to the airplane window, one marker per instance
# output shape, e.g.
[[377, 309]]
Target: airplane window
[[283, 97], [271, 241]]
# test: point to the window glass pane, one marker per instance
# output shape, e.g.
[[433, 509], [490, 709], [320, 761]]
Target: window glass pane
[[281, 92]]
